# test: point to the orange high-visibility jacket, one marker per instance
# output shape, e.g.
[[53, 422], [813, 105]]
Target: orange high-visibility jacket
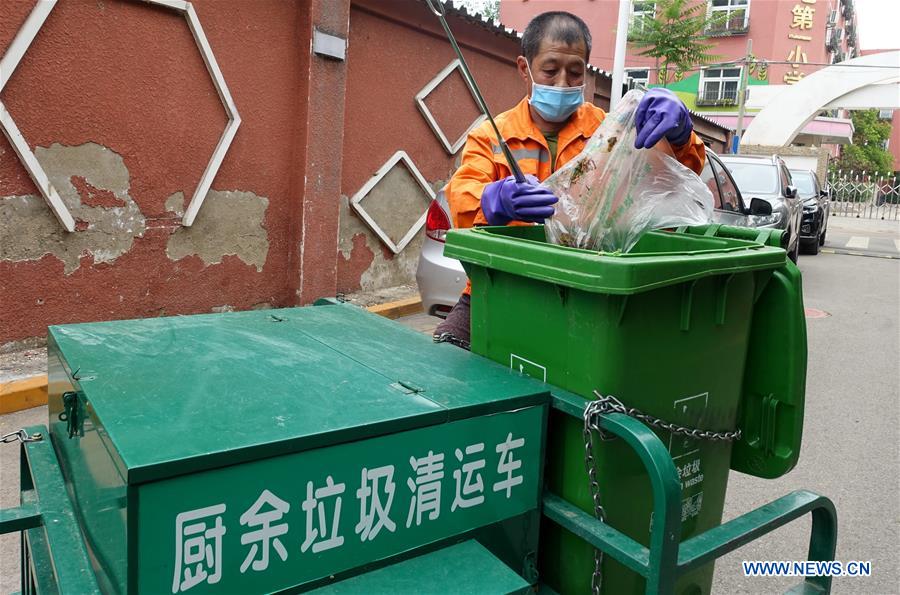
[[483, 161]]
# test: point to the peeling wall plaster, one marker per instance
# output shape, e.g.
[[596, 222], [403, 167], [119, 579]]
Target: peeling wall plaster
[[94, 183], [230, 222]]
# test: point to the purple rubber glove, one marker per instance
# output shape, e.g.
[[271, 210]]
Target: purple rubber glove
[[505, 200], [661, 114]]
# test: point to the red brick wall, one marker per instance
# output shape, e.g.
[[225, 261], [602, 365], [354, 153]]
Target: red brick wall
[[128, 76], [396, 48]]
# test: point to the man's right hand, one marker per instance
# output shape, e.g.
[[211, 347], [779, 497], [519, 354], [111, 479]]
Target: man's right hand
[[505, 200]]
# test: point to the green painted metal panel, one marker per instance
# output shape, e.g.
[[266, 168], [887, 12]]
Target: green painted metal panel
[[136, 403], [96, 478], [446, 375], [213, 390], [68, 558], [177, 395], [285, 521], [664, 328], [463, 569]]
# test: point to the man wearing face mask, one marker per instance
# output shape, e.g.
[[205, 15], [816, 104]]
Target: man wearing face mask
[[544, 131]]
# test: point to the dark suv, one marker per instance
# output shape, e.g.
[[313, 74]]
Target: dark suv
[[768, 178], [816, 208]]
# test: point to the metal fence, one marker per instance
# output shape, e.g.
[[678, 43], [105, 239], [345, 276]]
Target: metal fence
[[865, 197]]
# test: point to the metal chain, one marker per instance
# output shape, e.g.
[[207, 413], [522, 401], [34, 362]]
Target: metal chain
[[610, 404], [20, 435], [452, 339], [590, 424]]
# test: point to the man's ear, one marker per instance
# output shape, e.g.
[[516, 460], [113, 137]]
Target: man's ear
[[522, 67]]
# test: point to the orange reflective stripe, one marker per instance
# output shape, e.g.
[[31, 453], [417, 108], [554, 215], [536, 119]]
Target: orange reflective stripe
[[539, 153]]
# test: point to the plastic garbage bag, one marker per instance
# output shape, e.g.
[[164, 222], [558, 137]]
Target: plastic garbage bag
[[611, 193]]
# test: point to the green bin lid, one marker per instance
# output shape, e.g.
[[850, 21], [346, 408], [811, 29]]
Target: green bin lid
[[659, 258]]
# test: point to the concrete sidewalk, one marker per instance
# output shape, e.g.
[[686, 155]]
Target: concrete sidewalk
[[865, 237], [864, 226], [24, 363]]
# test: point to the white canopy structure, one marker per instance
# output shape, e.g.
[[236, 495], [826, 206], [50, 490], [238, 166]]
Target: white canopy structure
[[846, 85]]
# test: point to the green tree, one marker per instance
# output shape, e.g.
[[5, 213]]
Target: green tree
[[492, 10], [867, 153], [487, 8], [674, 32]]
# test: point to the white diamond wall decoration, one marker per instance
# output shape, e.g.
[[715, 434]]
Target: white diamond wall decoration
[[381, 210], [20, 44], [456, 145], [8, 63]]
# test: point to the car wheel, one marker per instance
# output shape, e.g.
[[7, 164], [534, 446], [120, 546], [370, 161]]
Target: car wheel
[[795, 253], [811, 247], [822, 236]]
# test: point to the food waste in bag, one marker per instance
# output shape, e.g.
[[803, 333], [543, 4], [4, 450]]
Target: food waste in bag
[[611, 193]]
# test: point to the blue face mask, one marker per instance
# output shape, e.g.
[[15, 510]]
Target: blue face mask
[[554, 104]]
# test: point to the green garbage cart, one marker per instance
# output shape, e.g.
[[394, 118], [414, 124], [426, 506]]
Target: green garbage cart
[[327, 450], [702, 332]]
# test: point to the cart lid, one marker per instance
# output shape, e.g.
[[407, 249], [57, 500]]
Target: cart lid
[[183, 394]]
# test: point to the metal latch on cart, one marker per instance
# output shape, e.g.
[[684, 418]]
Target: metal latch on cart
[[73, 413], [407, 388]]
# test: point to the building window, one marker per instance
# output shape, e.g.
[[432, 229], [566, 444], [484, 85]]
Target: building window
[[637, 76], [731, 16], [719, 86], [641, 11], [833, 39], [885, 114]]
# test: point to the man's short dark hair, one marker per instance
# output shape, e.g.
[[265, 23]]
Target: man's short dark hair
[[557, 26]]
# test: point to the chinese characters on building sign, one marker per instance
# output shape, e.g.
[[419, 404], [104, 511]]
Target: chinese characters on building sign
[[266, 536], [803, 14]]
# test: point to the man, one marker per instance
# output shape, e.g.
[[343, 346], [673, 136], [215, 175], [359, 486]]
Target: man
[[544, 131]]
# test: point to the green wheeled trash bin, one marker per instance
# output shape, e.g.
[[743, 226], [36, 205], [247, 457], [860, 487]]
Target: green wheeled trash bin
[[702, 328]]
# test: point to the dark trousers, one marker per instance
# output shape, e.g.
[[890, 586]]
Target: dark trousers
[[456, 327]]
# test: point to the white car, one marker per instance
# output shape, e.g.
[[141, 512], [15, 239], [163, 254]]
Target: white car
[[441, 280]]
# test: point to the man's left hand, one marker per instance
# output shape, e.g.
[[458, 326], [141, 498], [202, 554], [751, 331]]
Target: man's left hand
[[661, 114]]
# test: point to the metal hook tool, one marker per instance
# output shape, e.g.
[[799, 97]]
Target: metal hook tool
[[437, 7]]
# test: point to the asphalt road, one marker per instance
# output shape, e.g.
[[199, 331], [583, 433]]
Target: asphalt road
[[851, 441], [851, 449]]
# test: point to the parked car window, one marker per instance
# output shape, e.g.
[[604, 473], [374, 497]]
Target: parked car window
[[709, 178], [806, 185], [785, 177], [731, 200], [754, 178]]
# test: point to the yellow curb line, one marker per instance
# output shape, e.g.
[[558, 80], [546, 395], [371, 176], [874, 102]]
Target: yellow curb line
[[397, 309], [843, 252], [23, 394]]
